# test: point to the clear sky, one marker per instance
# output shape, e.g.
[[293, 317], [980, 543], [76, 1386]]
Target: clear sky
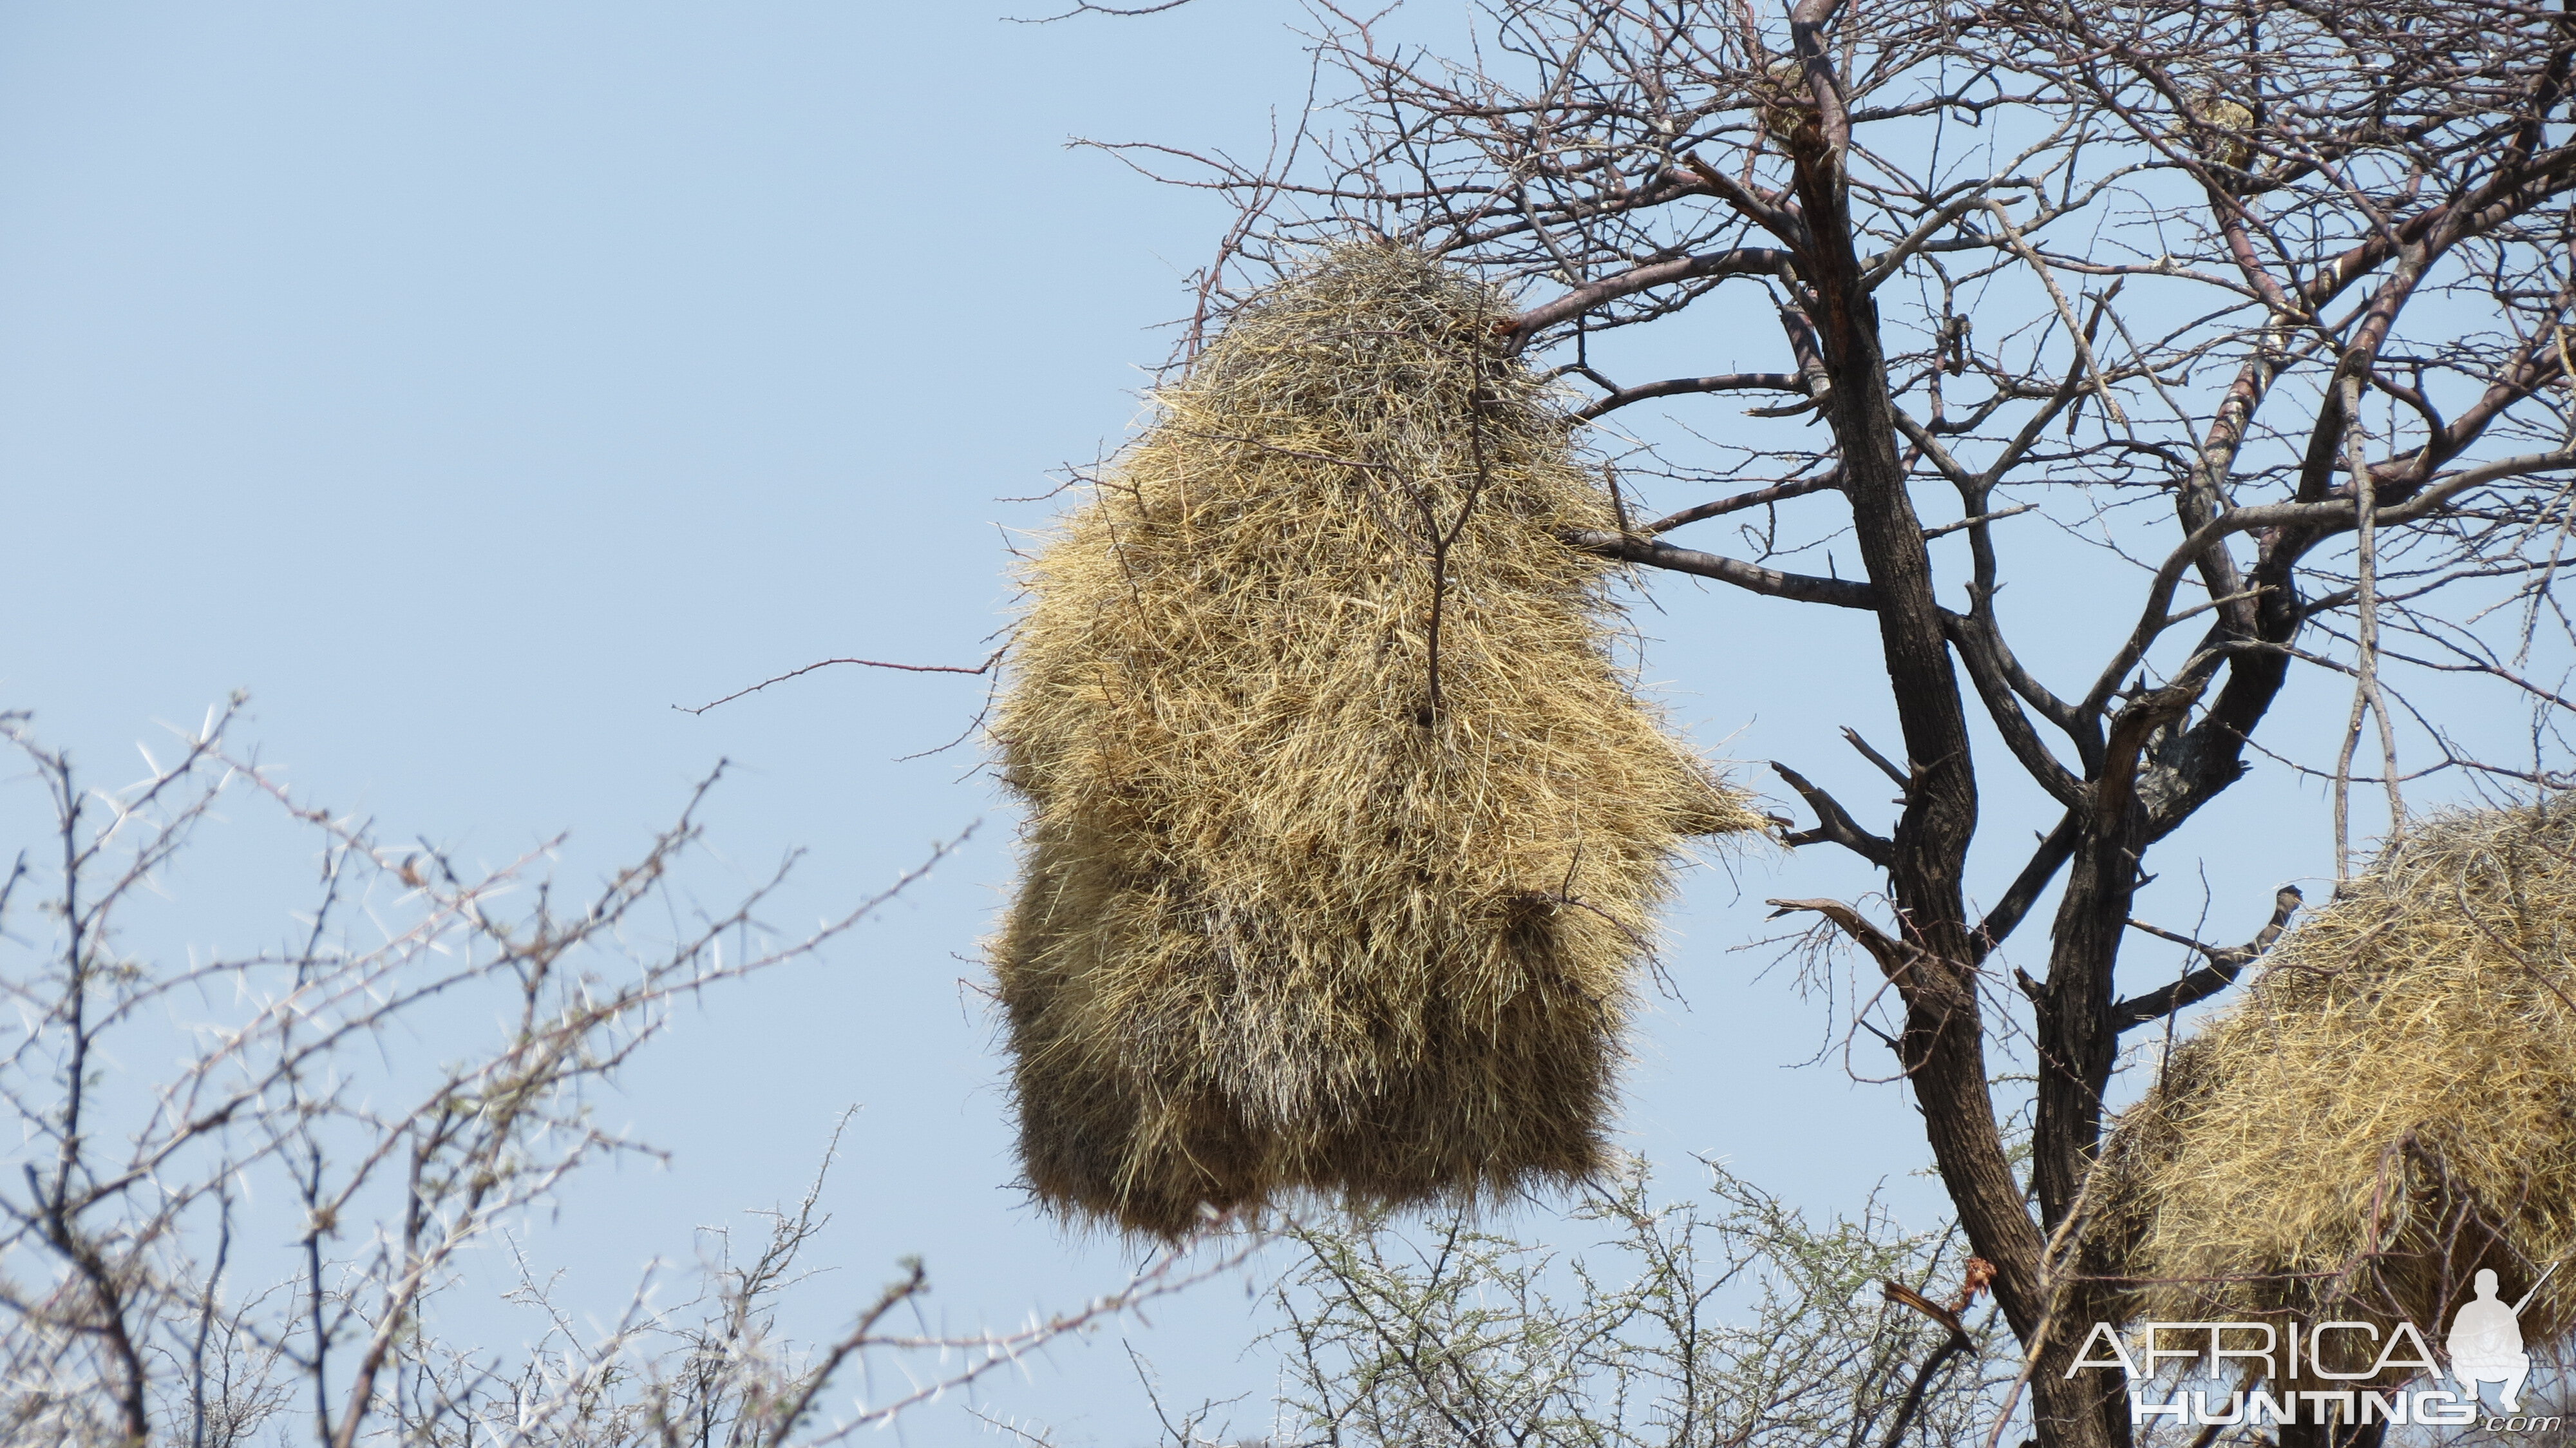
[[473, 382]]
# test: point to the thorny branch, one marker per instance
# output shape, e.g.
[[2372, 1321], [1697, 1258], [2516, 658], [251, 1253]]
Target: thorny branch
[[141, 1298]]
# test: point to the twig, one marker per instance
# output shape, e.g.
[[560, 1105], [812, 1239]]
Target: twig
[[2074, 329], [1886, 766], [1931, 533], [2365, 692], [1834, 824], [1776, 493], [982, 668]]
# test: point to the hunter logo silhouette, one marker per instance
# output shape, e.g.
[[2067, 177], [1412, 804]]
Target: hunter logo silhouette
[[2486, 1341]]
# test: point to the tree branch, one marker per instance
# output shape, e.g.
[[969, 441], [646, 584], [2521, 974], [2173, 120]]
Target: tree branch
[[2225, 965], [1834, 824], [2055, 849], [1683, 386], [1752, 577], [1743, 261], [982, 668], [1777, 493]]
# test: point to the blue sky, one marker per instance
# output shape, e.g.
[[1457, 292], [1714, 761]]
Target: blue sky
[[474, 382]]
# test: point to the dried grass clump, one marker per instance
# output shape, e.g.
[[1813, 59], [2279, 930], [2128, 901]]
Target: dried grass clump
[[1302, 908], [2390, 1108]]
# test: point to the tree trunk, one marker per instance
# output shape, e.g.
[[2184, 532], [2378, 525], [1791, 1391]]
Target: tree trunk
[[1943, 1046]]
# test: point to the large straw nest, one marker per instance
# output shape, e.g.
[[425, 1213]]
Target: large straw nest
[[1290, 918], [2390, 1108]]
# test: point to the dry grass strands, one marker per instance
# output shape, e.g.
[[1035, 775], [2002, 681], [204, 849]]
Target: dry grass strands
[[1345, 833], [2391, 1107]]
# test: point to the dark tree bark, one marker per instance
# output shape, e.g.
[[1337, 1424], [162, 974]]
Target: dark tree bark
[[2157, 271]]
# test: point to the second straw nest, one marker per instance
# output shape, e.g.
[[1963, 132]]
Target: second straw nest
[[1345, 832], [2390, 1108]]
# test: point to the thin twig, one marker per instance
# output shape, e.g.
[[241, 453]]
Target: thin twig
[[984, 667]]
